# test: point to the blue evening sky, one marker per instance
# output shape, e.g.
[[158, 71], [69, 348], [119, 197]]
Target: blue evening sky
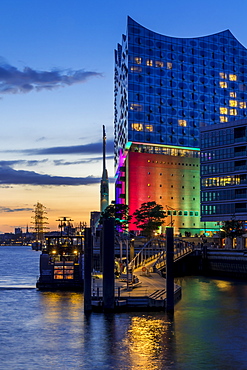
[[56, 92]]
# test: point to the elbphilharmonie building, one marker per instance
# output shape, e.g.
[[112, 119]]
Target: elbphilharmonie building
[[166, 88]]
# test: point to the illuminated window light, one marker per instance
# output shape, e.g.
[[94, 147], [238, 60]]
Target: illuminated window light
[[233, 77], [182, 122], [159, 64], [169, 65], [223, 110], [135, 69], [223, 84], [233, 112], [138, 60], [223, 119], [137, 126], [233, 103], [242, 104], [149, 63], [136, 107], [233, 94], [223, 75], [149, 128]]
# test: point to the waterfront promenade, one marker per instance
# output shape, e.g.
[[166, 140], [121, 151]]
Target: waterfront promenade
[[148, 293]]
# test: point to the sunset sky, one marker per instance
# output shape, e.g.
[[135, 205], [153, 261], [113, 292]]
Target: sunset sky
[[56, 92]]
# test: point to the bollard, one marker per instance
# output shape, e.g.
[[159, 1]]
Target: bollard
[[169, 270], [87, 270], [108, 265]]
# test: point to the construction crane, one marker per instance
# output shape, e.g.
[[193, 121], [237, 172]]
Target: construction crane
[[40, 222]]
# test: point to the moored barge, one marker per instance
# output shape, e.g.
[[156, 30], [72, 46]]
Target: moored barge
[[62, 263]]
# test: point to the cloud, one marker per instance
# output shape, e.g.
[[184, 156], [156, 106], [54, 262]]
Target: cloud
[[9, 176], [9, 210], [92, 148], [61, 162], [15, 81], [21, 162]]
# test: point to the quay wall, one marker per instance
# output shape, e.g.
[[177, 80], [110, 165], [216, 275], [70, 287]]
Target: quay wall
[[212, 262]]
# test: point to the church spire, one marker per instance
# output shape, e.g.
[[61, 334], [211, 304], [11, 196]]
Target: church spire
[[104, 185]]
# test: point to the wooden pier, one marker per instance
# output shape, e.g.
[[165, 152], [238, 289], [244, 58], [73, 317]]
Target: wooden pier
[[149, 293]]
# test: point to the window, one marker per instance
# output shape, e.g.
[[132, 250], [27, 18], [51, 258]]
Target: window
[[233, 77], [137, 126], [159, 64], [136, 69], [182, 122], [149, 62], [242, 104], [149, 128], [169, 65], [223, 84], [233, 103], [233, 94], [233, 112], [138, 60], [223, 119], [223, 75], [136, 107], [223, 110]]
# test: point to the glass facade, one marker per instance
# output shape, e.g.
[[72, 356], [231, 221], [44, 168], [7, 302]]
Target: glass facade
[[224, 171], [165, 90], [166, 87]]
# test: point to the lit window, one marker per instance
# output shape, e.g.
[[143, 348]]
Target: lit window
[[223, 84], [233, 112], [182, 122], [136, 107], [159, 64], [136, 69], [149, 128], [169, 65], [223, 75], [233, 94], [223, 119], [223, 110], [149, 62], [242, 104], [137, 126], [233, 103], [138, 60], [233, 77]]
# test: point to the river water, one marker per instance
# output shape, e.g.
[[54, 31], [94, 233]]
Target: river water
[[48, 330]]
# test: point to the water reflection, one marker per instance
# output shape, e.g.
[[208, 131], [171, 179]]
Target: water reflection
[[151, 342], [131, 341]]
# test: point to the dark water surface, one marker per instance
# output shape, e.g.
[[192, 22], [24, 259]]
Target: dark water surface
[[44, 330]]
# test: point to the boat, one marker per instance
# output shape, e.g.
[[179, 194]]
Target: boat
[[62, 263]]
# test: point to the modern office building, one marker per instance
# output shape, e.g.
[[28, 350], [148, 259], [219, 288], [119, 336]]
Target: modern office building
[[166, 88], [224, 171]]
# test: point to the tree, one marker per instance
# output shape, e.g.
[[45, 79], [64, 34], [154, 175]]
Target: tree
[[118, 211], [233, 228], [149, 217]]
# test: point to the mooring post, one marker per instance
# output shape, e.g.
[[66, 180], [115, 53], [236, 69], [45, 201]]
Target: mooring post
[[169, 269], [108, 264], [87, 270]]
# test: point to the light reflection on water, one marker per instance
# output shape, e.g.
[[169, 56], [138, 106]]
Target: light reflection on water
[[48, 330]]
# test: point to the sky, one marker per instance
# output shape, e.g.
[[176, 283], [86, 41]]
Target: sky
[[56, 93]]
